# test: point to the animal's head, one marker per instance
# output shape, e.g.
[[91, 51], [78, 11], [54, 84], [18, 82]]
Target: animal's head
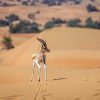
[[48, 50], [45, 48]]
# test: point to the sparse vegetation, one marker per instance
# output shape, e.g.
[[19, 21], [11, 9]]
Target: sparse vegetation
[[91, 8], [18, 0], [48, 2], [49, 24], [24, 26], [89, 23], [7, 42], [77, 1], [92, 0], [74, 23], [32, 2], [24, 2], [3, 23], [92, 24], [12, 17], [51, 2], [31, 16], [38, 12], [5, 4], [54, 22], [60, 2], [58, 21]]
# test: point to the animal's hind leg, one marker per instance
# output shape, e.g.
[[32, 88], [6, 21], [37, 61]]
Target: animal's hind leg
[[39, 69], [33, 65]]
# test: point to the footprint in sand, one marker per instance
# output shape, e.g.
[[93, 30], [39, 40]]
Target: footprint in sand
[[46, 95], [96, 94], [85, 78], [77, 99], [98, 67], [12, 97], [98, 81], [97, 90]]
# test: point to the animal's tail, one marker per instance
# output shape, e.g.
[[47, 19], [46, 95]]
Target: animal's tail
[[33, 56]]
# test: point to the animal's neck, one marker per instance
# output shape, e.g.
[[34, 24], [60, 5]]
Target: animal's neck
[[42, 53]]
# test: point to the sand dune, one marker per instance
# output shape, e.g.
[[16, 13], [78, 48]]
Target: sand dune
[[73, 67], [76, 47]]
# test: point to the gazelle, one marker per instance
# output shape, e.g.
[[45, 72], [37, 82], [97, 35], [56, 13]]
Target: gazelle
[[40, 58]]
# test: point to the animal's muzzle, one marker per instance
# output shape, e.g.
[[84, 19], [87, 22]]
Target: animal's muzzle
[[48, 50]]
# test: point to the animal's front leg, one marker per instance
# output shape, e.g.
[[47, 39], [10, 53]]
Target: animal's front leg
[[45, 71], [45, 68], [33, 65]]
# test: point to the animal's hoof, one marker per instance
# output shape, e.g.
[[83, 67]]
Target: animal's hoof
[[39, 79]]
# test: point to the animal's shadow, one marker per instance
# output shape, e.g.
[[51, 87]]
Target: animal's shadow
[[57, 79]]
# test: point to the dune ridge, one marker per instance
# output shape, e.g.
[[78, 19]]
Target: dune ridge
[[68, 45]]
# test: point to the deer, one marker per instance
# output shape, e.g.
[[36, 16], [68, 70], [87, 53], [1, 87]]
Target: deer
[[40, 58]]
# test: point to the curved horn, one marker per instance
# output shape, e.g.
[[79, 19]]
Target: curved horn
[[42, 41]]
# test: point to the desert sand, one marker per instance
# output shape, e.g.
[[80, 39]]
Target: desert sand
[[64, 12], [73, 67]]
